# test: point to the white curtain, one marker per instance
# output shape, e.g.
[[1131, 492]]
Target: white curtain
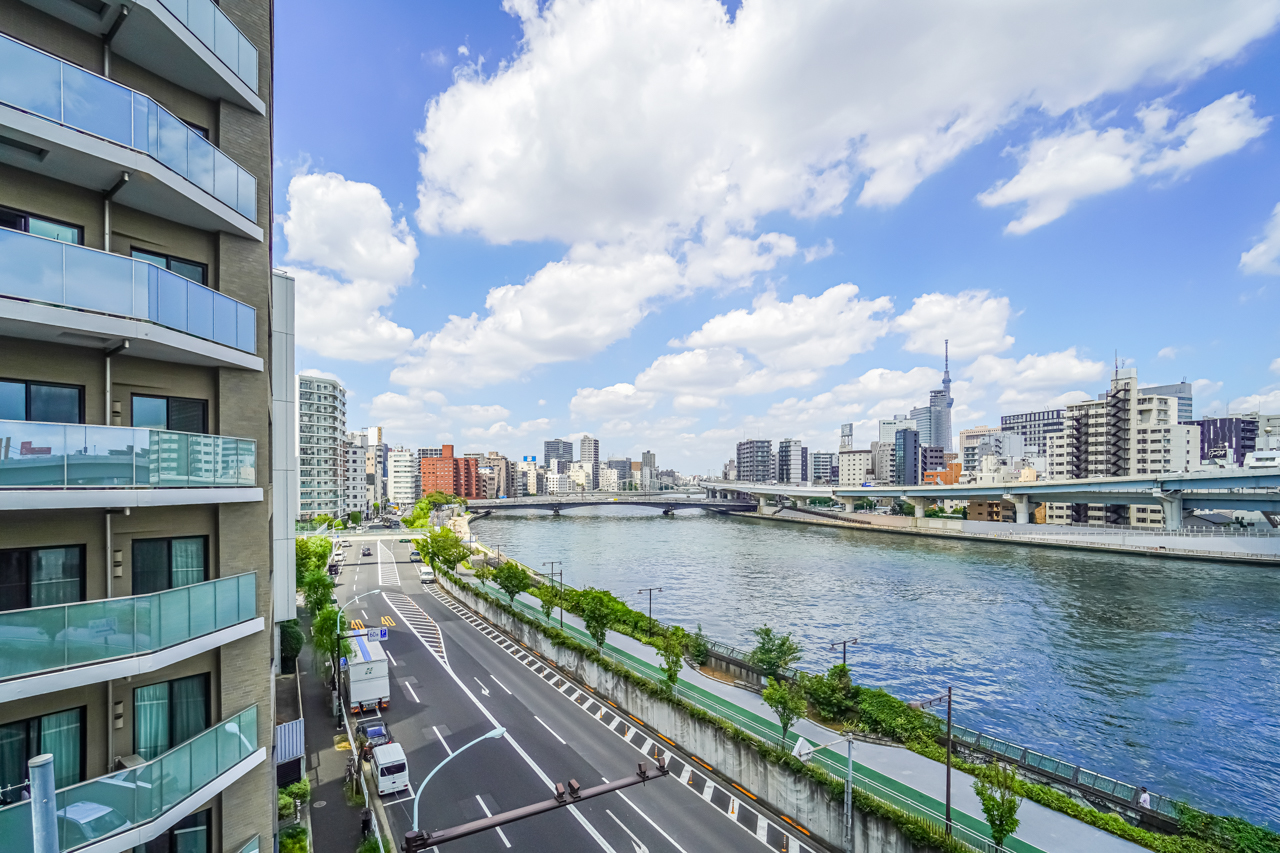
[[151, 720], [188, 561], [60, 736]]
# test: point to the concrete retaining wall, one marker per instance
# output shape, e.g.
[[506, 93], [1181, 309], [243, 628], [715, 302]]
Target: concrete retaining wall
[[779, 789]]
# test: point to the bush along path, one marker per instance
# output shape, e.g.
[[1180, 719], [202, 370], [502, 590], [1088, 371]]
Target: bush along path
[[837, 701]]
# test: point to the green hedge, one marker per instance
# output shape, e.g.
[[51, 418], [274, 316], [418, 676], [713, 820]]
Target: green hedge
[[917, 829]]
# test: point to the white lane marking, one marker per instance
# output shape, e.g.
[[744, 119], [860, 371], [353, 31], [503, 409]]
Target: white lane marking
[[640, 848], [390, 658], [363, 614], [671, 840], [553, 734], [487, 813], [483, 689], [500, 684], [442, 740], [409, 687], [546, 780]]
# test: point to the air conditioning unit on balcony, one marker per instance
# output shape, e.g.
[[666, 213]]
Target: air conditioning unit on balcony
[[129, 761]]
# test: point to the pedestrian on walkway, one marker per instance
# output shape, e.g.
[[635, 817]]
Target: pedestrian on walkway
[[1144, 799]]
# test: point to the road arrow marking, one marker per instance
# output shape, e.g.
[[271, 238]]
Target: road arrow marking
[[640, 848], [483, 689]]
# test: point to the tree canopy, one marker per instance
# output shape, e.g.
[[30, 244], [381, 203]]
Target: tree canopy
[[773, 652], [787, 701], [511, 579]]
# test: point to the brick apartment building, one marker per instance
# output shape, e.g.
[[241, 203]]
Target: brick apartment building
[[451, 474]]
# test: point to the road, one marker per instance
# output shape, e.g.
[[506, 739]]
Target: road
[[555, 732]]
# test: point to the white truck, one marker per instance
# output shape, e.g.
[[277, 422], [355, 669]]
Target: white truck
[[368, 686]]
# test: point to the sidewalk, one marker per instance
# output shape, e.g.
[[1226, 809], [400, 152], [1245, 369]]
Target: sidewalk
[[888, 772], [331, 818]]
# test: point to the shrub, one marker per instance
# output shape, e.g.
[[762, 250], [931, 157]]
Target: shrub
[[300, 790], [284, 806], [699, 648], [293, 840], [773, 652], [999, 802], [834, 695], [291, 641]]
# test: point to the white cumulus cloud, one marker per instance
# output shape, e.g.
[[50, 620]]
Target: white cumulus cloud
[[973, 320], [502, 429], [1167, 352], [1264, 257], [1035, 380], [616, 401]]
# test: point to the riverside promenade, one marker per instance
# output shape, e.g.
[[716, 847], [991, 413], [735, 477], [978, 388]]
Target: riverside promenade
[[890, 773]]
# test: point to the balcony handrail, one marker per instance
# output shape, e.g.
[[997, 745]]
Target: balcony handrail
[[130, 798], [148, 292], [113, 112], [245, 68], [129, 457], [57, 637]]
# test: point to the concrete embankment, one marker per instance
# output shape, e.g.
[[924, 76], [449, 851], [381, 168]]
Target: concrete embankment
[[1239, 548]]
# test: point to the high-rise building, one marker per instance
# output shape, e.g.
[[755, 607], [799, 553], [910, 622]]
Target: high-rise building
[[404, 477], [793, 461], [1002, 444], [321, 430], [1034, 427], [824, 467], [147, 422], [450, 474], [969, 438], [649, 459], [589, 454], [933, 421], [557, 450], [906, 457], [755, 461], [1181, 391], [376, 466], [355, 497]]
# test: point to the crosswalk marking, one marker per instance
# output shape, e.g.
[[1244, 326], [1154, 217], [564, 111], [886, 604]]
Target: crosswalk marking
[[387, 572], [418, 622]]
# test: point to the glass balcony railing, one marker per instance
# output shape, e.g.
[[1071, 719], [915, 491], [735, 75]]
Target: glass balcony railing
[[35, 455], [61, 636], [214, 29], [44, 85], [103, 807], [44, 270]]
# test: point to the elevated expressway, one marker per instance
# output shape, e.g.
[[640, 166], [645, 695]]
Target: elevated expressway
[[668, 502], [1175, 493]]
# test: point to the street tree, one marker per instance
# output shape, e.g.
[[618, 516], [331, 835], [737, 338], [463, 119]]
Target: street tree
[[671, 648], [773, 652], [511, 579], [1000, 803], [328, 624], [786, 699], [597, 607], [317, 590]]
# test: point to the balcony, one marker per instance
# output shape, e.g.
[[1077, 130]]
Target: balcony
[[191, 42], [49, 288], [62, 466], [117, 812], [62, 121], [43, 649]]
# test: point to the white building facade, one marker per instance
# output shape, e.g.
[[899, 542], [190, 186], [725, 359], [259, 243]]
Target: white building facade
[[322, 426]]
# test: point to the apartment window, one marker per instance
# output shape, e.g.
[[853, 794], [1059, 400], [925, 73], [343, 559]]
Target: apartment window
[[41, 401], [181, 414], [190, 270], [63, 232], [38, 577], [168, 714], [160, 564], [189, 835], [60, 734]]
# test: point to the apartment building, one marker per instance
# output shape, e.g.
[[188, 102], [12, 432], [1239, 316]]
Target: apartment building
[[755, 461], [1034, 427], [824, 467], [321, 430], [404, 477], [856, 467], [450, 474], [793, 461], [557, 450], [148, 375], [589, 454], [969, 438], [356, 480]]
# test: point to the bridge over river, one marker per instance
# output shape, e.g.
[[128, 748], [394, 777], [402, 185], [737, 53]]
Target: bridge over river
[[667, 502]]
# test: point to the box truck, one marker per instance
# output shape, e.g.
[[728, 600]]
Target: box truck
[[367, 682]]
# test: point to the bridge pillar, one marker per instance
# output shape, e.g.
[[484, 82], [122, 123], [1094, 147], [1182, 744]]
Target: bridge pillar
[[1021, 506], [1171, 505], [848, 503], [760, 504], [799, 502], [918, 503]]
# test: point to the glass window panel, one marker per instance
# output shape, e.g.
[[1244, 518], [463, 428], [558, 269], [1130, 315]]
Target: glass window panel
[[60, 737], [151, 720], [158, 260], [36, 454], [106, 459], [13, 401], [142, 457], [199, 161], [178, 8], [188, 415], [200, 16], [59, 231], [188, 561], [14, 588], [246, 323], [99, 281], [30, 80], [203, 600], [32, 268], [190, 703], [151, 412], [171, 142], [224, 320], [199, 310], [99, 106], [55, 403], [248, 597], [174, 610], [226, 181], [191, 834], [247, 196], [145, 124], [175, 769], [188, 270], [98, 630], [172, 307], [248, 63], [227, 42], [227, 604], [14, 753], [57, 576], [150, 565]]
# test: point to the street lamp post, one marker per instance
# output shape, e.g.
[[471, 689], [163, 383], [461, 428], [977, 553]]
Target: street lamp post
[[805, 754], [929, 703], [651, 590], [844, 649], [552, 575], [498, 732]]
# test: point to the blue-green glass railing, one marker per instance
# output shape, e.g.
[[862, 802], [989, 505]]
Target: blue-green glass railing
[[35, 454], [44, 270], [211, 26], [44, 85], [252, 846], [60, 636], [102, 807]]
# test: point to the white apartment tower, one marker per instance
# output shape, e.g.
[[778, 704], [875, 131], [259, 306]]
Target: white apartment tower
[[355, 489], [403, 477], [321, 431]]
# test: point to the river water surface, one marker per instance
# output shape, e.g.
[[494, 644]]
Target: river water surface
[[1157, 672]]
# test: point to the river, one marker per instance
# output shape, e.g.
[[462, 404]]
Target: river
[[1158, 672]]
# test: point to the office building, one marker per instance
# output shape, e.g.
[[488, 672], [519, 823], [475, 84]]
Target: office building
[[376, 467], [1007, 445], [589, 454], [450, 474], [1034, 427], [932, 459], [906, 457], [755, 461], [793, 462], [824, 467], [321, 430], [1226, 441], [404, 477], [1180, 391], [148, 366], [855, 467], [557, 450], [969, 438]]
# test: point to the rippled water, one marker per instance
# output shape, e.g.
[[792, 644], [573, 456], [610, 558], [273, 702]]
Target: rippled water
[[1153, 671]]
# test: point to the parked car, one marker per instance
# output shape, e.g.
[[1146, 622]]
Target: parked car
[[82, 822], [415, 556], [375, 734]]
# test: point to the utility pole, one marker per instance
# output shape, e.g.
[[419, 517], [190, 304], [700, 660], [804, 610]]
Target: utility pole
[[560, 597], [44, 820], [928, 703], [651, 590]]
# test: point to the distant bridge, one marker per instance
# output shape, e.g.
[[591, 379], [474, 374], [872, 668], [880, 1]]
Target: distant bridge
[[668, 502]]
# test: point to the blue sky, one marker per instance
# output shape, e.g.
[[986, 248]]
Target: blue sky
[[673, 226]]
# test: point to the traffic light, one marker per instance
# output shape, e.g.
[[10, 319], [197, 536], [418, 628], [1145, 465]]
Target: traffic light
[[415, 841]]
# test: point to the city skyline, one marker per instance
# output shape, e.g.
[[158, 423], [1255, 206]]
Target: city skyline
[[774, 310]]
